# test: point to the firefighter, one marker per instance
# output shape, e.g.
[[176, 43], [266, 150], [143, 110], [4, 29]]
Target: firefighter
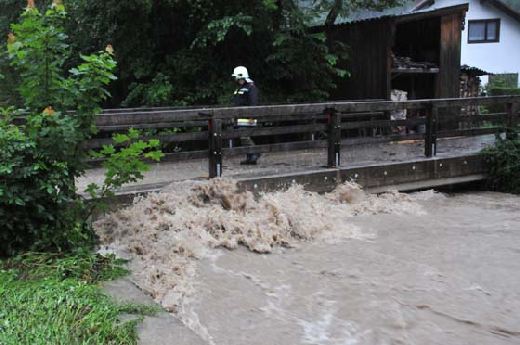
[[245, 95]]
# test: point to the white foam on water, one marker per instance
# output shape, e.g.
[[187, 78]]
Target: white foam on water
[[428, 195], [165, 234]]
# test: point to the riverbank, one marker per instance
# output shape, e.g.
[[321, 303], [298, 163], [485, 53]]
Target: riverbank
[[58, 299]]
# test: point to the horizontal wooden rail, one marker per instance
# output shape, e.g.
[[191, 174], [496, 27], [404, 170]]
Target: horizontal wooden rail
[[332, 124], [482, 118], [383, 123], [165, 138], [273, 111], [268, 131], [177, 124], [469, 132]]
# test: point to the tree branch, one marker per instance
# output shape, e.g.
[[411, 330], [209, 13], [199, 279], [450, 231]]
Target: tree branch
[[334, 12]]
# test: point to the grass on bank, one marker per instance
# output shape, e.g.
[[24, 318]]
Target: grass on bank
[[52, 299]]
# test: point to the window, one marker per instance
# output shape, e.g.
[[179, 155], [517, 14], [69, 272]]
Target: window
[[484, 31]]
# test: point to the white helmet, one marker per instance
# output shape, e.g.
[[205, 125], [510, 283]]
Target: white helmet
[[240, 72]]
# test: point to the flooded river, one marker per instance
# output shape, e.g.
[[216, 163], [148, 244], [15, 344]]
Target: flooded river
[[425, 268]]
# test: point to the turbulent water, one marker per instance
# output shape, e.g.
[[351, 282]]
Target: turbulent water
[[338, 268]]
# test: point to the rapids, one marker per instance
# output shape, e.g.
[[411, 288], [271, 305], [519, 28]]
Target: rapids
[[346, 267]]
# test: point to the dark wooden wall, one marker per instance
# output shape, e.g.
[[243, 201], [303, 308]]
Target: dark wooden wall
[[369, 64], [371, 43], [448, 85]]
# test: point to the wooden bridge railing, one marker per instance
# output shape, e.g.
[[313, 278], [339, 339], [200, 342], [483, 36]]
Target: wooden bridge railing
[[316, 125]]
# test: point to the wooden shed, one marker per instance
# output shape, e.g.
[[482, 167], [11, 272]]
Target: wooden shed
[[416, 52]]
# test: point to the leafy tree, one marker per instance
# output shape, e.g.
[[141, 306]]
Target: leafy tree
[[184, 50], [41, 154]]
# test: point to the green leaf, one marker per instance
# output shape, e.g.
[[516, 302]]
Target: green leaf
[[120, 138]]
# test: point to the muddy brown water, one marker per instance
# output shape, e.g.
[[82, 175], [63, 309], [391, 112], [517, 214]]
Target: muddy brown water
[[424, 269]]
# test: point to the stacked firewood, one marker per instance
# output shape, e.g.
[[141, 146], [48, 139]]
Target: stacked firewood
[[469, 87], [404, 62]]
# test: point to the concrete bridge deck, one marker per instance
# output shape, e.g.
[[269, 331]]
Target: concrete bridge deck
[[286, 165]]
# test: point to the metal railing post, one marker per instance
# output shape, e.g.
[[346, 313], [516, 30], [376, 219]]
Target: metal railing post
[[334, 138], [215, 147], [430, 137]]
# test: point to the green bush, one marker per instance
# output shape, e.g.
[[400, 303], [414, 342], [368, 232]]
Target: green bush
[[158, 92], [42, 157], [38, 207], [504, 164], [503, 91], [123, 163], [503, 80]]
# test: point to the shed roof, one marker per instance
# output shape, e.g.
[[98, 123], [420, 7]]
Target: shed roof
[[362, 15], [510, 7], [408, 11], [475, 71]]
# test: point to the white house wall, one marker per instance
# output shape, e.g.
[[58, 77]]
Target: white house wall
[[499, 57]]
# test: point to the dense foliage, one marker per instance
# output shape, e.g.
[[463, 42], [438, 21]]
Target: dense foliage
[[41, 154], [504, 164], [182, 52]]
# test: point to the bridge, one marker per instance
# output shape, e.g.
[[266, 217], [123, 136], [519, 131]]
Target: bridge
[[433, 143]]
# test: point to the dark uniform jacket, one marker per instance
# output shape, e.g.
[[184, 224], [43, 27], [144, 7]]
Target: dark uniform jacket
[[244, 96]]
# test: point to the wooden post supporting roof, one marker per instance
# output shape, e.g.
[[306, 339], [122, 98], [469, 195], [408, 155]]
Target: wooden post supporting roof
[[448, 85]]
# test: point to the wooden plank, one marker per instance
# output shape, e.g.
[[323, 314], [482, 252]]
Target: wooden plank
[[289, 146], [151, 117], [264, 131], [379, 140], [482, 118], [448, 83], [144, 109], [412, 70], [184, 155], [421, 104], [469, 132], [167, 138], [360, 116], [369, 67], [160, 125], [273, 111], [383, 123], [293, 117]]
